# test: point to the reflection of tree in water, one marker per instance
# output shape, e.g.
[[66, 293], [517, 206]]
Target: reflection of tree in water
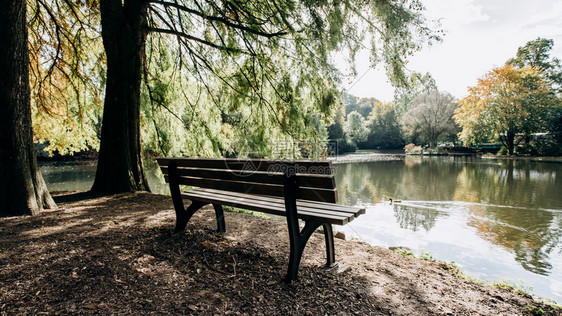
[[353, 184], [533, 260], [414, 218], [510, 199], [518, 195], [532, 238]]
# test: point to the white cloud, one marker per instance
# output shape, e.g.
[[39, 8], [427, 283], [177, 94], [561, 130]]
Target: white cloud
[[459, 12]]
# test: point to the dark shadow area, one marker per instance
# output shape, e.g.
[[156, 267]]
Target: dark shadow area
[[119, 255]]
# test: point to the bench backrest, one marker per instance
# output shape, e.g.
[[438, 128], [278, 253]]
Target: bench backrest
[[256, 176]]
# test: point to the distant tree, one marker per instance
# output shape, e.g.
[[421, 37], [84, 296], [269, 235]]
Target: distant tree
[[355, 127], [507, 104], [417, 85], [350, 103], [363, 106], [22, 188], [335, 131], [366, 105], [384, 128], [536, 53], [431, 115], [340, 141]]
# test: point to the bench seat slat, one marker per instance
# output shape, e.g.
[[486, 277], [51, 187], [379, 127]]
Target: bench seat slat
[[278, 202], [248, 201], [273, 207], [315, 194], [356, 211]]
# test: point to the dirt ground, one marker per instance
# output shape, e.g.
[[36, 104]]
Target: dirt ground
[[119, 255]]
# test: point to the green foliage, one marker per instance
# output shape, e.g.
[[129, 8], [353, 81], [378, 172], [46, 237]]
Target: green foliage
[[544, 146], [535, 310], [243, 211], [265, 69], [517, 287], [536, 54], [404, 252], [344, 142], [319, 127], [335, 131], [356, 128], [426, 255], [220, 78], [66, 75], [363, 106], [384, 128]]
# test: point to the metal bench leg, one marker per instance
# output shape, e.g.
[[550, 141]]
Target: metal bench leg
[[182, 214], [330, 253], [221, 228], [183, 217], [298, 241]]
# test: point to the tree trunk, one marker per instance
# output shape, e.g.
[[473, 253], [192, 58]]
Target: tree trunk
[[510, 141], [120, 166], [22, 188]]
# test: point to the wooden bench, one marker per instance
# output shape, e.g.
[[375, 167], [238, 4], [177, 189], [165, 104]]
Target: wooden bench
[[296, 189]]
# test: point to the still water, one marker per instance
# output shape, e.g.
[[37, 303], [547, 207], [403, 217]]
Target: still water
[[497, 219]]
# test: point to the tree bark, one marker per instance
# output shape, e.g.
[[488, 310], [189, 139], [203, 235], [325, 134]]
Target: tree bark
[[22, 188], [120, 166], [510, 140]]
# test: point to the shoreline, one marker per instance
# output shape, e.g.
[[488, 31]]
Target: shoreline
[[118, 254], [390, 156]]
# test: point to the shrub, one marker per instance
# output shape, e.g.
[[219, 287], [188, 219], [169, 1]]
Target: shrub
[[503, 151]]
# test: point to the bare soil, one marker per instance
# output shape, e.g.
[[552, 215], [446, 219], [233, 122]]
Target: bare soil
[[119, 255]]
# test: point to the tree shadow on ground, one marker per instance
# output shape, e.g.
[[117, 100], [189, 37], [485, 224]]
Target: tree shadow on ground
[[119, 255]]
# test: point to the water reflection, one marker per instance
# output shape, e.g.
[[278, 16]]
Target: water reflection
[[511, 205], [68, 176], [416, 217], [79, 176]]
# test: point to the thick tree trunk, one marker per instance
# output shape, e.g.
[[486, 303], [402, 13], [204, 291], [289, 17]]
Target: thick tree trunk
[[120, 166], [22, 189]]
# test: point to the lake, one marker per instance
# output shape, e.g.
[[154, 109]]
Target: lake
[[497, 219]]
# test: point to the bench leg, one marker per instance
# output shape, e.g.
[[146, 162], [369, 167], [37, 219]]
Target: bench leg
[[298, 241], [330, 253], [183, 217], [221, 227]]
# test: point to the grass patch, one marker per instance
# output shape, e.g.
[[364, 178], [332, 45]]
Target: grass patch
[[243, 211], [518, 287]]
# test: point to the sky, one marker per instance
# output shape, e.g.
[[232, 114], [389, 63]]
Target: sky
[[479, 35]]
